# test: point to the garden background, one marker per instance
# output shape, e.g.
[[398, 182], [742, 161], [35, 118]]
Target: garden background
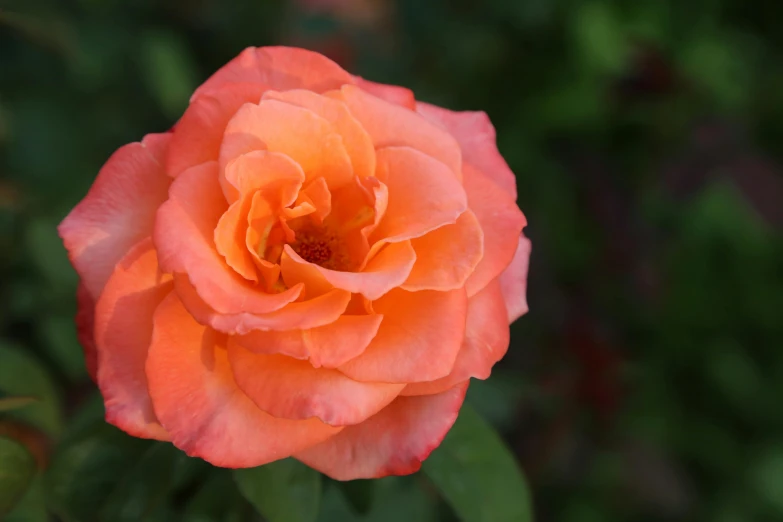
[[645, 384]]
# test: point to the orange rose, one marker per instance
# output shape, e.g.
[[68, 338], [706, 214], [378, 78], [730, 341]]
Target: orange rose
[[309, 264]]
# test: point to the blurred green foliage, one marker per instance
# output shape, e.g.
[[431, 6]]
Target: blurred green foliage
[[645, 136]]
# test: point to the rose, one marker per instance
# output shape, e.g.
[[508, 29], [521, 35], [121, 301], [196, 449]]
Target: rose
[[308, 264]]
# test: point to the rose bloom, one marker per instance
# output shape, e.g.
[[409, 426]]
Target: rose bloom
[[308, 264]]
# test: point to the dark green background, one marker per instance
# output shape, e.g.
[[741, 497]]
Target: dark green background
[[645, 382]]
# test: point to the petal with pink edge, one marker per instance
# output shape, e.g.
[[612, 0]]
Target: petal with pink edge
[[486, 342], [197, 399], [395, 441], [281, 68], [390, 125], [501, 221], [476, 137], [199, 133], [391, 93], [513, 281], [85, 328], [123, 331], [118, 211]]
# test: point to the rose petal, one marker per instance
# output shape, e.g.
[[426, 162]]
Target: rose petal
[[385, 271], [501, 221], [198, 402], [199, 133], [118, 211], [476, 137], [390, 125], [422, 195], [299, 133], [447, 256], [123, 331], [270, 175], [327, 346], [513, 281], [230, 235], [486, 342], [356, 140], [312, 313], [85, 328], [395, 441], [317, 193], [281, 68], [418, 340], [183, 236], [277, 175], [292, 389], [391, 93]]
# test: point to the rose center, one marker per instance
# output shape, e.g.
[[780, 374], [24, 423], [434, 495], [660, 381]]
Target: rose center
[[321, 247]]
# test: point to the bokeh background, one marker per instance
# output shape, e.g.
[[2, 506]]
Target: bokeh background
[[645, 384]]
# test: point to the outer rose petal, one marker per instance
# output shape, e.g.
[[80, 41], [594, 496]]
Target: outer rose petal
[[356, 140], [513, 281], [391, 93], [422, 195], [476, 136], [418, 340], [183, 236], [502, 222], [390, 125], [319, 311], [327, 346], [395, 441], [299, 133], [486, 342], [292, 389], [123, 331], [199, 133], [118, 211], [198, 402], [281, 68], [85, 328], [446, 257]]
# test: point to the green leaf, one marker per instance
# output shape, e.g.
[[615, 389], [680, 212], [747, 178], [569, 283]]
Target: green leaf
[[358, 493], [32, 506], [17, 469], [14, 403], [217, 500], [477, 474], [282, 491], [84, 474], [394, 499], [144, 487], [21, 374]]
